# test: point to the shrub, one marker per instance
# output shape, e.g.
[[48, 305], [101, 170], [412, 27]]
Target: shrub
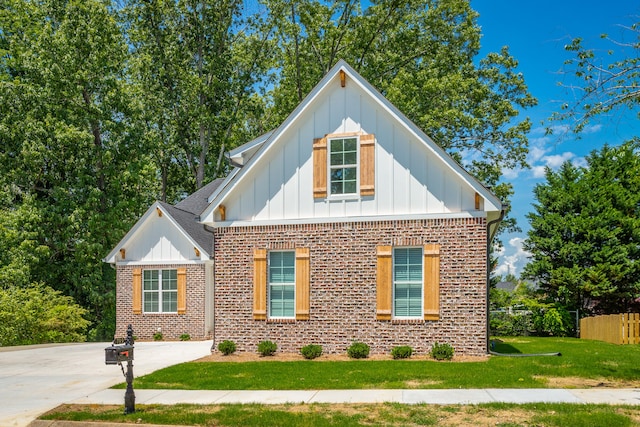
[[157, 336], [442, 351], [185, 337], [267, 348], [311, 351], [227, 347], [358, 350], [401, 352]]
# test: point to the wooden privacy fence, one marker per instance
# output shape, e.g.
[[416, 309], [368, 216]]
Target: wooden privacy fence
[[614, 328]]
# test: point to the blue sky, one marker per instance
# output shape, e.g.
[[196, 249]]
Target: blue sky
[[536, 33]]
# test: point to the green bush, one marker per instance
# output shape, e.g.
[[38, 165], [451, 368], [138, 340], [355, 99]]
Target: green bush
[[311, 351], [267, 348], [227, 347], [185, 337], [442, 351], [37, 314], [358, 350], [401, 352]]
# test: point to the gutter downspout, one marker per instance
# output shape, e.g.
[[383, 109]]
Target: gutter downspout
[[490, 237]]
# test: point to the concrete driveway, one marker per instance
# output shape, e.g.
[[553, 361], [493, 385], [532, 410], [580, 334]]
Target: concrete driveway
[[34, 379]]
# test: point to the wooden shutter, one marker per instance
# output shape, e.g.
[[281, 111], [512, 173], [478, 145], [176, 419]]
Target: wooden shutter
[[319, 168], [182, 290], [384, 283], [431, 282], [137, 291], [367, 164], [302, 283], [259, 284]]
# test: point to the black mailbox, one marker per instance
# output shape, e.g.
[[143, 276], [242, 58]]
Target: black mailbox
[[115, 354]]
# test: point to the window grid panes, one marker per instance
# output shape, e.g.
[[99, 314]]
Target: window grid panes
[[160, 291], [343, 166], [407, 282], [282, 284]]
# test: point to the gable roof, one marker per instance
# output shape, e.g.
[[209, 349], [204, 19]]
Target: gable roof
[[253, 151], [184, 221], [198, 201]]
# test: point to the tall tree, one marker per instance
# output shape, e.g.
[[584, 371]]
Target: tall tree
[[194, 66], [423, 56], [69, 154], [585, 232]]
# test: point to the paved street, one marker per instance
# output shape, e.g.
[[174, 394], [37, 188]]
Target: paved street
[[34, 379]]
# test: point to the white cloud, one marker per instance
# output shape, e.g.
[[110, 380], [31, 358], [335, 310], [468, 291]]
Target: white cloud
[[513, 258]]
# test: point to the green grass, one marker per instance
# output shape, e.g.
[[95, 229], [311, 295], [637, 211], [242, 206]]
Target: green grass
[[580, 358], [385, 414]]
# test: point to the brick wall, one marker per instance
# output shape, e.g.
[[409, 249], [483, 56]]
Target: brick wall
[[343, 285], [171, 325]]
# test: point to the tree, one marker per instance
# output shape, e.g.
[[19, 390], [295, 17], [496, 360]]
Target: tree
[[423, 56], [603, 86], [585, 232], [69, 155], [194, 68]]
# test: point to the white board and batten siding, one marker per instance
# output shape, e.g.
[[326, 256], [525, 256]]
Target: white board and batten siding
[[411, 178]]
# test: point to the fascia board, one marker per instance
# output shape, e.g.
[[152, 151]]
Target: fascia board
[[213, 205], [136, 228], [239, 151]]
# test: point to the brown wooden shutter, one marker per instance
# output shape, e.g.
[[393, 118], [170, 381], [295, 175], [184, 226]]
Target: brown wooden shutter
[[431, 282], [182, 290], [319, 168], [302, 283], [384, 283], [137, 291], [367, 164], [260, 284]]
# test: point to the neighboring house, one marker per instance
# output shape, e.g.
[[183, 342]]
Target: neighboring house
[[346, 223]]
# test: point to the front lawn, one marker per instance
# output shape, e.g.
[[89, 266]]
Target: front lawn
[[583, 364]]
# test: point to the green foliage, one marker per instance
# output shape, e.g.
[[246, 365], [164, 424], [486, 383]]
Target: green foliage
[[311, 351], [185, 337], [157, 336], [227, 347], [401, 352], [267, 348], [37, 314], [358, 350], [606, 84], [442, 351], [584, 236]]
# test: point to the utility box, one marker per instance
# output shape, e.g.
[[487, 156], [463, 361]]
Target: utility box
[[115, 354]]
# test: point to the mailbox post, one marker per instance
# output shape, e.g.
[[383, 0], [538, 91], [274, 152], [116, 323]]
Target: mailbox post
[[115, 355]]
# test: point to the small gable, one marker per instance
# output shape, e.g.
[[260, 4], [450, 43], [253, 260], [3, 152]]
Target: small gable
[[164, 234]]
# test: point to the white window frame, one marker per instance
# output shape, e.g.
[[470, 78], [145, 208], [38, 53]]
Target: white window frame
[[331, 167], [269, 284], [394, 282], [160, 292]]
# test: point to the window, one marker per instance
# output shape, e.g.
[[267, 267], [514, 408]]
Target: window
[[407, 282], [160, 291], [343, 166], [282, 284]]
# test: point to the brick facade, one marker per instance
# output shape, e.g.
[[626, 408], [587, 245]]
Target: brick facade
[[343, 285], [171, 325]]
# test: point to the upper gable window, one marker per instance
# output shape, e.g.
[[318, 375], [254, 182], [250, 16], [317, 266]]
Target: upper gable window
[[343, 166]]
